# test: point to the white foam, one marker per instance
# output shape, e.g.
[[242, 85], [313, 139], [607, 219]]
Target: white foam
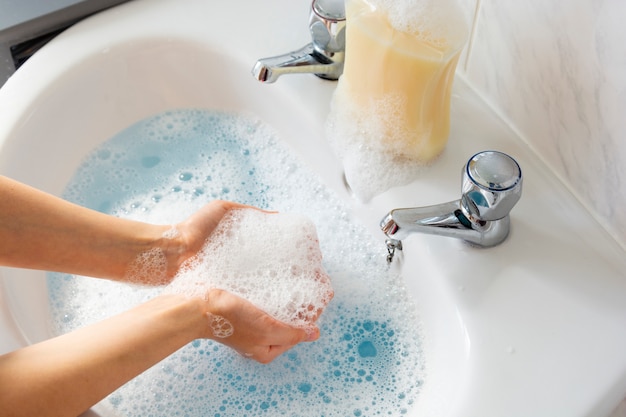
[[377, 152], [149, 267], [271, 259]]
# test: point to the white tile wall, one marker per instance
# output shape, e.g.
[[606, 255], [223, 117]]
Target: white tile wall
[[556, 71]]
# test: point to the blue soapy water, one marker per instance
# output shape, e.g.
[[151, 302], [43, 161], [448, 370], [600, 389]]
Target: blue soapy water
[[368, 360], [174, 150]]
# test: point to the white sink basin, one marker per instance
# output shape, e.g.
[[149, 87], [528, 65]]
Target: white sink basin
[[533, 327]]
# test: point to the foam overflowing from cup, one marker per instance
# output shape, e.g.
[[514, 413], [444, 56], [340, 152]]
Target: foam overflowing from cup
[[272, 260], [373, 143], [390, 112]]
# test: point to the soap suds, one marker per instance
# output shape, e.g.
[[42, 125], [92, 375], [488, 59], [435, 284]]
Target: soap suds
[[272, 260], [220, 326], [377, 152], [149, 267]]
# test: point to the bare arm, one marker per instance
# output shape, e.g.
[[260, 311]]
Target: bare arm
[[66, 375], [40, 231]]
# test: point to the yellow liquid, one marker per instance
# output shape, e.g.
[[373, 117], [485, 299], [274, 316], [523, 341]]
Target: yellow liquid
[[404, 79]]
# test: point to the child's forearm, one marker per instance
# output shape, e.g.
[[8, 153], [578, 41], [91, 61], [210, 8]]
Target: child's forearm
[[66, 375]]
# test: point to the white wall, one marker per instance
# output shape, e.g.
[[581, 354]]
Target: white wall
[[556, 71]]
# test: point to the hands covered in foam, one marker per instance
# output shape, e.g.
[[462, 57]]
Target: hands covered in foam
[[273, 306], [260, 274], [240, 325]]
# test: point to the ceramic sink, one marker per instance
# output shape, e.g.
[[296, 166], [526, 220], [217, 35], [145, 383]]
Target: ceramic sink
[[533, 327]]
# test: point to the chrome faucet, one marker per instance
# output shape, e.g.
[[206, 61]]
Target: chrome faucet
[[491, 186], [322, 57]]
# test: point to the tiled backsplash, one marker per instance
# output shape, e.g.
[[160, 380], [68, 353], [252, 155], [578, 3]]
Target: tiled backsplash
[[556, 71]]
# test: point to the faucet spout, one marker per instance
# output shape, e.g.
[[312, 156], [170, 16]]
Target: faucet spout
[[447, 220], [305, 60], [492, 185]]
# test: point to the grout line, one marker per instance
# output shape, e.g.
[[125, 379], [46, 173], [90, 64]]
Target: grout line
[[472, 36]]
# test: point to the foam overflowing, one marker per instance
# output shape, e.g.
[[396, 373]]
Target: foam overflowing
[[390, 112], [368, 360], [377, 150], [272, 260]]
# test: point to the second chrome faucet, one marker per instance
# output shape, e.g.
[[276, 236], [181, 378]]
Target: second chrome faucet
[[322, 57], [491, 186]]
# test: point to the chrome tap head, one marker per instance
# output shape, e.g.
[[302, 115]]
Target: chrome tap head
[[327, 23], [492, 185]]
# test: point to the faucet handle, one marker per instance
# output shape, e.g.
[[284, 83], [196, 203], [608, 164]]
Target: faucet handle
[[327, 23], [492, 185]]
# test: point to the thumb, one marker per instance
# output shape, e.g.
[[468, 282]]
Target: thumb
[[299, 334], [291, 336], [312, 333]]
